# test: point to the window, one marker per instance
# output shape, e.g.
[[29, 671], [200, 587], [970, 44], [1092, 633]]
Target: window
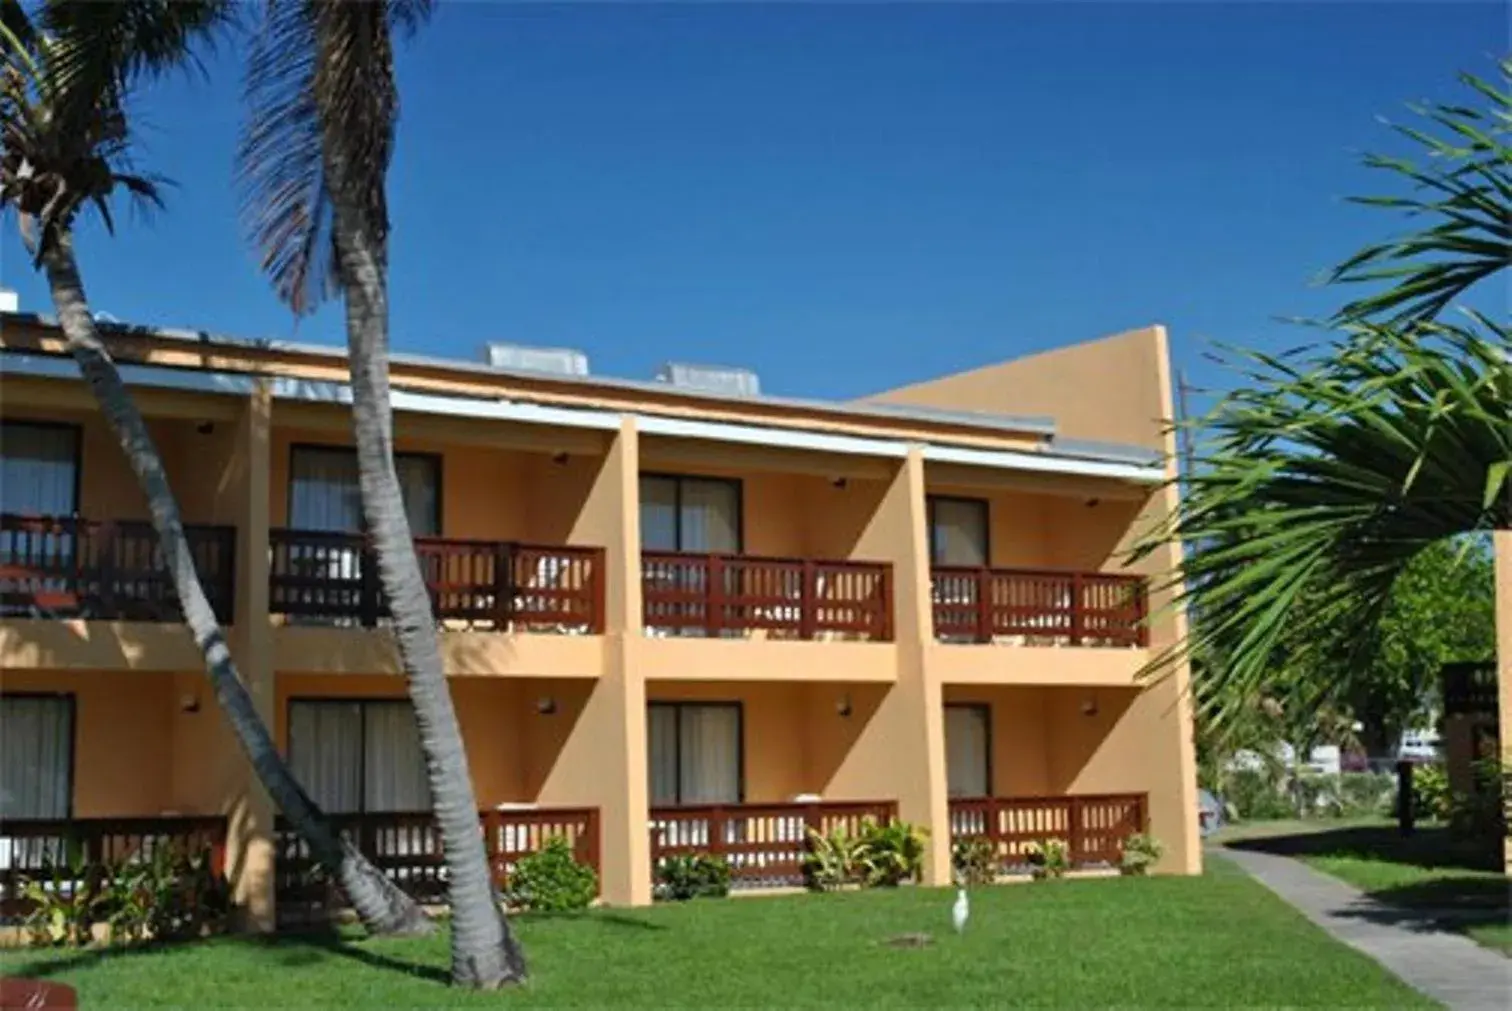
[[324, 493], [358, 754], [36, 756], [693, 514], [958, 532], [968, 750], [694, 753]]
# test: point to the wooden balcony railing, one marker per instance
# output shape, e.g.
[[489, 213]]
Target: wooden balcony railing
[[1039, 607], [716, 595], [47, 850], [764, 843], [406, 847], [65, 567], [332, 578], [1092, 827]]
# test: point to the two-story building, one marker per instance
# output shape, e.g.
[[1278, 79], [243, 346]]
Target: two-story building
[[677, 615]]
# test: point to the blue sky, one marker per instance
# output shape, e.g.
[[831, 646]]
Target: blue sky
[[843, 198]]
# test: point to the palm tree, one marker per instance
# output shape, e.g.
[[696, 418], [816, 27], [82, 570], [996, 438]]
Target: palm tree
[[67, 147], [324, 104]]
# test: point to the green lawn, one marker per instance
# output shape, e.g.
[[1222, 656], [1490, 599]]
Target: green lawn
[[1161, 942], [1433, 877]]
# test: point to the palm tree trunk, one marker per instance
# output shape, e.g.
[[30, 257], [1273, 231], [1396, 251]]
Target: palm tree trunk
[[485, 954], [382, 907]]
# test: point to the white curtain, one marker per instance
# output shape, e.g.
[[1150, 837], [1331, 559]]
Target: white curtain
[[325, 494], [325, 752], [38, 469], [958, 534], [394, 766], [661, 764], [35, 758], [658, 513], [709, 755], [966, 757], [709, 512]]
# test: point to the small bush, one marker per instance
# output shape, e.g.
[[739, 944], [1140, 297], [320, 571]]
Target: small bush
[[551, 881], [1140, 853], [1256, 794], [893, 853], [1481, 813], [692, 876], [834, 860], [1365, 793], [975, 861], [1431, 797]]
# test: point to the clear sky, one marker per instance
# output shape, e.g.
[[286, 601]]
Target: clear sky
[[844, 198]]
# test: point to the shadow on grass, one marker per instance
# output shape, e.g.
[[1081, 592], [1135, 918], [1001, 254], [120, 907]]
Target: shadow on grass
[[1462, 888], [1434, 848]]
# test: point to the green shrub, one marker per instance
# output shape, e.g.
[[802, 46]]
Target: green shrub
[[65, 902], [834, 860], [975, 861], [1366, 793], [551, 880], [1431, 797], [1481, 813], [1140, 852], [1256, 795], [692, 876], [892, 853]]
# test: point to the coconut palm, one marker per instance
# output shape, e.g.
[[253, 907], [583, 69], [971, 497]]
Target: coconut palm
[[323, 106], [67, 150]]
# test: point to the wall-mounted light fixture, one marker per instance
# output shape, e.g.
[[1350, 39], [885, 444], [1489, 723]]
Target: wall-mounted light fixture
[[1089, 706], [1092, 503], [205, 427], [841, 483], [546, 705], [560, 459], [843, 707], [189, 703]]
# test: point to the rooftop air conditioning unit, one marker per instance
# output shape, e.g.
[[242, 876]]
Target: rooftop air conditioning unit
[[711, 378], [524, 358]]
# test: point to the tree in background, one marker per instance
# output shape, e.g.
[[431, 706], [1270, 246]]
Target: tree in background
[[324, 105], [67, 144]]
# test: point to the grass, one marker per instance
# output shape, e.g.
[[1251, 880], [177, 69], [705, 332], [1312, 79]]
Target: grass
[[1160, 942], [1430, 878]]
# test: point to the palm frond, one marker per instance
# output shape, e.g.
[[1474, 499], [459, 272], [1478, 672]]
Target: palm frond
[[1317, 483], [1464, 188]]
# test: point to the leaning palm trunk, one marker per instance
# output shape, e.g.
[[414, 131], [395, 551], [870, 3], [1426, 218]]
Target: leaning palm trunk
[[485, 954], [382, 907]]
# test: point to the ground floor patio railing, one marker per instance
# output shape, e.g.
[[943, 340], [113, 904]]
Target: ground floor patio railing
[[1093, 827], [765, 844]]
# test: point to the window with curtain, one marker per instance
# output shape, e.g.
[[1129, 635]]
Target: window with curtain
[[958, 531], [39, 468], [324, 493], [36, 756], [695, 514], [968, 758], [693, 753], [354, 755]]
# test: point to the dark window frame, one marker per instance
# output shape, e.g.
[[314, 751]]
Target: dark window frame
[[73, 736], [362, 702], [984, 504], [435, 461], [985, 708], [678, 480], [77, 430], [677, 706]]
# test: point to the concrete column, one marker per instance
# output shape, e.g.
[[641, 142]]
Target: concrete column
[[603, 762], [211, 773], [1503, 545], [900, 752]]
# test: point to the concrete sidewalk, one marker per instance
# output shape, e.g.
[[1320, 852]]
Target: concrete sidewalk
[[1443, 966]]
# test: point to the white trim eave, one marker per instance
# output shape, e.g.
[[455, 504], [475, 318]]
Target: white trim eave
[[322, 391], [1043, 463]]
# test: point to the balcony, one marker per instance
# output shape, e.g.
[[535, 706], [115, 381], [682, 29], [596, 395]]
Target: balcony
[[319, 577], [726, 596], [1093, 828], [1039, 607], [765, 844], [65, 567]]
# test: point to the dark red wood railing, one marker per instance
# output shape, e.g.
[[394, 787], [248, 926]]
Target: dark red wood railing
[[47, 849], [498, 585], [1039, 607], [715, 595], [65, 567], [406, 847], [764, 843], [1093, 827]]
